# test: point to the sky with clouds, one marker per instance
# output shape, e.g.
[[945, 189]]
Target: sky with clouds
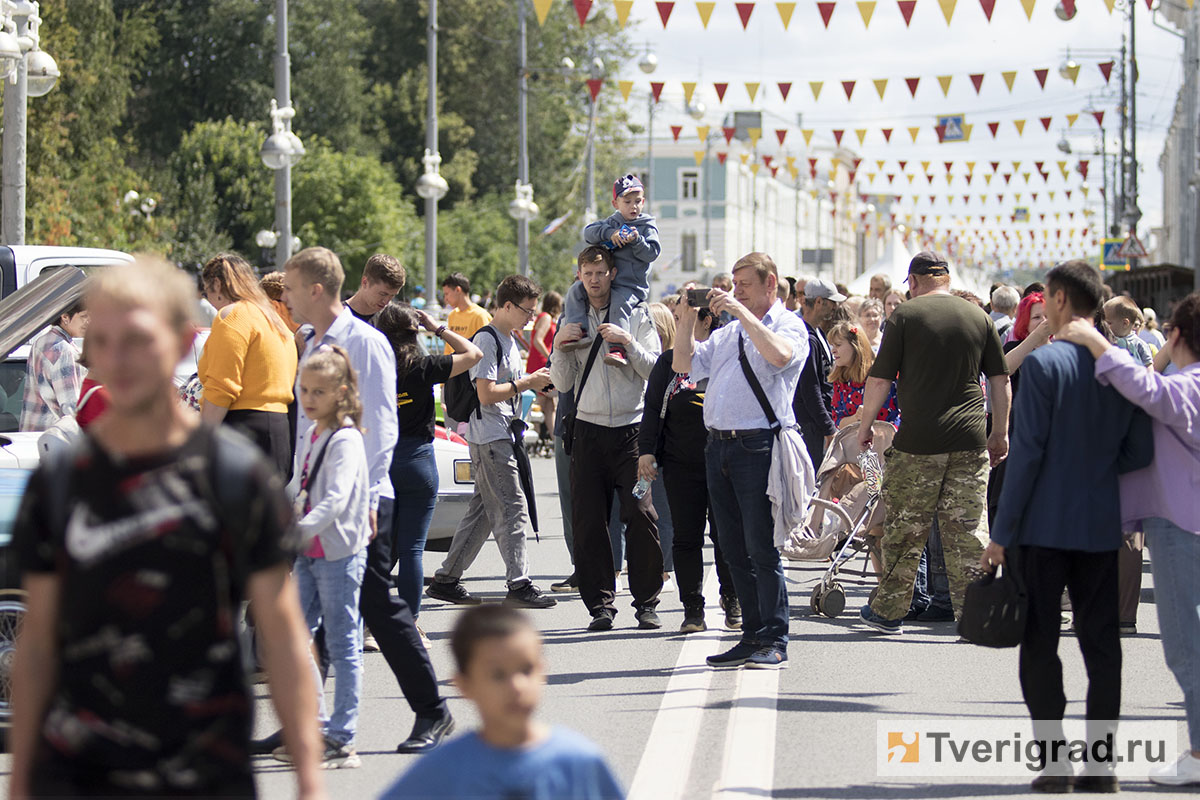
[[928, 48]]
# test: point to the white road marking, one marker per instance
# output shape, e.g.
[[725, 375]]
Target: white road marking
[[662, 773], [749, 766]]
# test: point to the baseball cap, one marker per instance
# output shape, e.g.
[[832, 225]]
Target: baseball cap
[[927, 263], [626, 184], [817, 287]]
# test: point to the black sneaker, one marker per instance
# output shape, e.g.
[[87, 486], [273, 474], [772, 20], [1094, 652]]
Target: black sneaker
[[452, 592], [733, 612], [1053, 784], [935, 614], [768, 657], [734, 656], [648, 619], [528, 596], [570, 584], [873, 620], [1097, 784], [267, 745], [693, 620], [602, 620]]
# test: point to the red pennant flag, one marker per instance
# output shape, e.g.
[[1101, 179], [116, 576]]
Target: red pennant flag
[[891, 176], [594, 85], [906, 10], [903, 164], [656, 89], [912, 85], [729, 132], [721, 157], [848, 87], [664, 10], [995, 165], [968, 177], [1041, 76], [826, 10], [774, 171], [993, 127], [932, 199], [676, 130], [768, 159], [928, 178], [1069, 194], [781, 134], [1099, 115], [1150, 4], [812, 163], [784, 88], [837, 136], [1039, 165], [1007, 177], [1045, 122], [1106, 68], [887, 135], [988, 7], [582, 7], [966, 199], [1083, 168], [978, 81], [852, 174], [941, 131], [1069, 8], [744, 11], [948, 164], [721, 88]]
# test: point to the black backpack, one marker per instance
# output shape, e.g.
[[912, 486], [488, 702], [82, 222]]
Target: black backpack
[[459, 398]]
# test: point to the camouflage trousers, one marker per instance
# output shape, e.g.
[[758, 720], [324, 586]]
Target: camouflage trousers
[[914, 487]]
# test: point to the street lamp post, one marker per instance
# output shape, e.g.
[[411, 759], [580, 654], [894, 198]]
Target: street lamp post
[[283, 149], [647, 65], [29, 72], [431, 185], [522, 208]]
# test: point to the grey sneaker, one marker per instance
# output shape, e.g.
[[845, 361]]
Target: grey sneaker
[[452, 592], [733, 612], [335, 756], [648, 619], [693, 620], [528, 596]]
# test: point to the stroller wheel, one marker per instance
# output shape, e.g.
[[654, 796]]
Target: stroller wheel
[[814, 599], [833, 602]]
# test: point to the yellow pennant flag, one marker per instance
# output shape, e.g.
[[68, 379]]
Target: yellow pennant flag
[[967, 128], [913, 132], [752, 90], [970, 167], [947, 9], [910, 178], [754, 168], [702, 132], [871, 177], [705, 9], [745, 157], [866, 9], [807, 134], [816, 88], [689, 88], [1062, 167], [699, 156], [1016, 166], [623, 8], [785, 13], [1110, 3], [1052, 200], [881, 86], [754, 134], [542, 8], [944, 82], [1072, 72], [1028, 6], [795, 173], [987, 178], [1084, 189], [949, 179], [1071, 119], [1026, 175], [879, 164], [1009, 76], [1020, 125], [791, 162], [834, 163], [625, 87], [861, 133]]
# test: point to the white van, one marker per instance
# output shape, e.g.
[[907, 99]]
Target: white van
[[20, 264]]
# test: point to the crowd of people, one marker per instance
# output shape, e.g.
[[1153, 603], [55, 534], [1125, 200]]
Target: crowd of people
[[337, 399]]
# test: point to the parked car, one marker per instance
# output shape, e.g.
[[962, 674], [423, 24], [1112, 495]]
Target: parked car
[[20, 264]]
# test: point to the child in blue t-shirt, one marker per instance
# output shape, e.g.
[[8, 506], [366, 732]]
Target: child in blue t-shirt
[[1124, 317], [500, 670], [633, 237]]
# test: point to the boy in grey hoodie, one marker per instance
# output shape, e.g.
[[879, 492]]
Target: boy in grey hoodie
[[633, 238]]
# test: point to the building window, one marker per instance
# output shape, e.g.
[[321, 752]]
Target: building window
[[687, 252], [689, 184]]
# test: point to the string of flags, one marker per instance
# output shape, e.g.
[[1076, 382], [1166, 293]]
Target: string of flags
[[826, 9]]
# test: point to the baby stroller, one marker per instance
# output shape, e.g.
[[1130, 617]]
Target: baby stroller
[[846, 507]]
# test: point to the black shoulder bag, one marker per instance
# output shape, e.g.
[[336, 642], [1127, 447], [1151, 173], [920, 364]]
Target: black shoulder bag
[[756, 387], [996, 607], [568, 423]]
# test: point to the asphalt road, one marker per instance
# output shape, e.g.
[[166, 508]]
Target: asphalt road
[[805, 732]]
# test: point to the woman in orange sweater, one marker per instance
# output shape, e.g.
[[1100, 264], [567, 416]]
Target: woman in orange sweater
[[248, 366]]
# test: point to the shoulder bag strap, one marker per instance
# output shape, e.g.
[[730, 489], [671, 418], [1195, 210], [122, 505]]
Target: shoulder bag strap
[[587, 368], [500, 356], [756, 387]]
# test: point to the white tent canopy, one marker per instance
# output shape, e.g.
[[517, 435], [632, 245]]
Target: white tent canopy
[[893, 263]]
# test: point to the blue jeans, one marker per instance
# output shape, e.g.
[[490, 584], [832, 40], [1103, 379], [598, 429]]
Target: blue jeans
[[932, 587], [329, 596], [737, 471], [666, 528], [415, 480], [1175, 564]]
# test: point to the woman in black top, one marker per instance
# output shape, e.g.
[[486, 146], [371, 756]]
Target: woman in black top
[[414, 469], [673, 433]]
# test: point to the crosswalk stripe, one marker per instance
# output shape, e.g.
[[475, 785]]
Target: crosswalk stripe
[[749, 766]]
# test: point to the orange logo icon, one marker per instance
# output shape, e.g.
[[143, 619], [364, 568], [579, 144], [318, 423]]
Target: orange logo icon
[[903, 748]]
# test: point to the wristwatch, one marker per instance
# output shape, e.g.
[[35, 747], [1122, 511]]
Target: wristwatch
[[440, 330]]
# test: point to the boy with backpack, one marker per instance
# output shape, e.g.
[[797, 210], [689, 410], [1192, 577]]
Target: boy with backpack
[[498, 506]]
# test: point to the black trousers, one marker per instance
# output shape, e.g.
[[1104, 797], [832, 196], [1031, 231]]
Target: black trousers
[[1091, 581], [604, 461], [270, 431], [391, 622], [687, 494]]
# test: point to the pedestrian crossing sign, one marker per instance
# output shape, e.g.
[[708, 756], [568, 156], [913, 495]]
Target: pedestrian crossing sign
[[1109, 255], [951, 128]]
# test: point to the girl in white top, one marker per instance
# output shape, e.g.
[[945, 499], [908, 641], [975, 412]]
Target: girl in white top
[[331, 488]]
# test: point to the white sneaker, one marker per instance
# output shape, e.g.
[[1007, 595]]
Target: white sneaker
[[1183, 772], [369, 644], [619, 583], [668, 584], [424, 638]]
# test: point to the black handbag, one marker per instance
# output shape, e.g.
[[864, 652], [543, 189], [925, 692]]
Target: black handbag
[[996, 607]]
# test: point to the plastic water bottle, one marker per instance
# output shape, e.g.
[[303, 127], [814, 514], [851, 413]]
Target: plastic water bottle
[[640, 488]]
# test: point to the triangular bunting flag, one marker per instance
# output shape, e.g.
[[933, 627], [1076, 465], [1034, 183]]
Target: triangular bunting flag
[[675, 131], [784, 88], [944, 82], [785, 13], [720, 89], [623, 8], [807, 134], [1099, 115], [866, 9], [745, 157], [656, 88], [977, 81], [594, 85], [1020, 126], [848, 88], [1045, 122], [626, 87], [1028, 6], [582, 7], [1041, 76], [665, 7], [699, 156], [912, 85], [744, 11], [993, 127], [705, 10], [837, 137], [1071, 119], [702, 132], [947, 9], [754, 169], [887, 136], [729, 132], [752, 90], [1009, 76], [1110, 4], [781, 134], [689, 88], [988, 7], [826, 10], [881, 86], [913, 132], [816, 88], [1106, 68], [906, 10], [541, 8], [721, 157], [861, 133]]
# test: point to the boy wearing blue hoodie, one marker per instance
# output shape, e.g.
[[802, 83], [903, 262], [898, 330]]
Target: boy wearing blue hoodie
[[633, 238]]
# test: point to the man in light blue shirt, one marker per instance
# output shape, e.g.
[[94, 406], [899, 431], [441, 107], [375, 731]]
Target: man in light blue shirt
[[740, 437]]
